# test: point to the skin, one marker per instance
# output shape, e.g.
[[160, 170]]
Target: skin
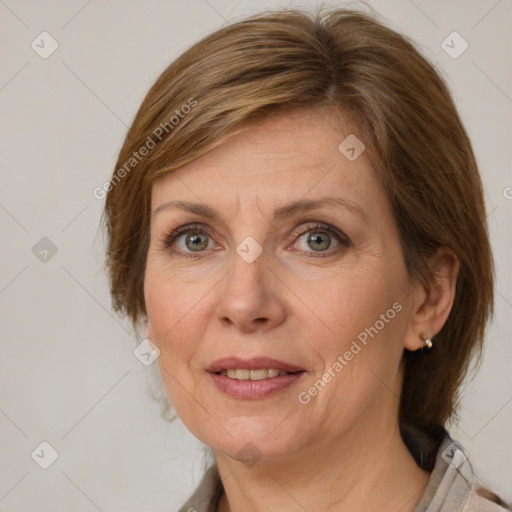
[[342, 450]]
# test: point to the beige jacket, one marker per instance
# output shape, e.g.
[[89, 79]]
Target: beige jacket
[[452, 487]]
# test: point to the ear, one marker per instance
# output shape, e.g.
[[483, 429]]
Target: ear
[[433, 299]]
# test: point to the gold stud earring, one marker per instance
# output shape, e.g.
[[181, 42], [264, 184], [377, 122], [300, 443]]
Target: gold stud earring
[[428, 342]]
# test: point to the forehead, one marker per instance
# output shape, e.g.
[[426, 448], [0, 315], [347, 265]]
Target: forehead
[[300, 139], [283, 157]]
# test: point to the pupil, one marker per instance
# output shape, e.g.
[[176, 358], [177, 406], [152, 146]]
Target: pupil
[[317, 239], [195, 242]]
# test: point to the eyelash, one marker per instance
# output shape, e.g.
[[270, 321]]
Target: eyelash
[[168, 240]]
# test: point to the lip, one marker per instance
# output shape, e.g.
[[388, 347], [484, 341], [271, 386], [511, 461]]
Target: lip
[[254, 363], [254, 389]]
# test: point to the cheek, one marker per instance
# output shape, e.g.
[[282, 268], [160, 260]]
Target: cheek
[[360, 320], [170, 294], [360, 324], [345, 303], [171, 307], [170, 310]]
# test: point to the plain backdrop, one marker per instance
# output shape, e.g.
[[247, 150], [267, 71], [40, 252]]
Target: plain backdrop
[[68, 374]]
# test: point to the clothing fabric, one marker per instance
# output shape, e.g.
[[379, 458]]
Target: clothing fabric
[[452, 487]]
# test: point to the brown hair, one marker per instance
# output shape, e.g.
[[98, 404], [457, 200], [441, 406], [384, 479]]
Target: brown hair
[[348, 62]]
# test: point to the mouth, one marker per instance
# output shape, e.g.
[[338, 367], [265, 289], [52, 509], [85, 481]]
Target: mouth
[[255, 368], [253, 374], [253, 378]]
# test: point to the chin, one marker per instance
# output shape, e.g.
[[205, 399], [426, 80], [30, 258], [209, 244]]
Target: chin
[[251, 441]]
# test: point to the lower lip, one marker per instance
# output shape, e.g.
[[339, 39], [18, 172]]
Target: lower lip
[[254, 388]]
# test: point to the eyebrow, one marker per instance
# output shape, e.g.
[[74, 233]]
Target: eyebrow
[[283, 212]]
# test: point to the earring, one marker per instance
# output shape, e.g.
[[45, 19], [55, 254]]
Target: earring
[[428, 342]]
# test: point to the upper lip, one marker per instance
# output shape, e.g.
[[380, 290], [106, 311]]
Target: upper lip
[[255, 363]]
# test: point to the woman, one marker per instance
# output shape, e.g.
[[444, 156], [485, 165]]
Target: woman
[[296, 219]]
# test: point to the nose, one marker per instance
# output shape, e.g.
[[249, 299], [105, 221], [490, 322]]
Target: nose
[[250, 297]]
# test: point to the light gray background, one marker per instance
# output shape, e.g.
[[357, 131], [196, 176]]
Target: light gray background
[[68, 375]]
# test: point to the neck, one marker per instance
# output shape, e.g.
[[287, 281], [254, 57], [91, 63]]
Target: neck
[[329, 475]]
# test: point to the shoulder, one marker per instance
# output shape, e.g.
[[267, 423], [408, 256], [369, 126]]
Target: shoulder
[[453, 485]]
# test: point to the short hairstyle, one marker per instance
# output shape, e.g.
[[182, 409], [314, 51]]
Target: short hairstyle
[[350, 63]]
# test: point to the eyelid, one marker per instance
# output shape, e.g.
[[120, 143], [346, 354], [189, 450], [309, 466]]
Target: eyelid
[[168, 238], [316, 225]]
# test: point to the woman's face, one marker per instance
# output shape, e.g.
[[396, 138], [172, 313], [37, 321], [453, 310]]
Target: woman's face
[[252, 274]]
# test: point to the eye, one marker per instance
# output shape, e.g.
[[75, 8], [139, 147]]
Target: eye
[[321, 237], [188, 240]]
